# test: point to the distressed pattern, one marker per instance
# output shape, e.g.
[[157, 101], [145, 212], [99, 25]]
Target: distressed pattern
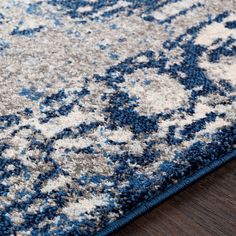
[[105, 103]]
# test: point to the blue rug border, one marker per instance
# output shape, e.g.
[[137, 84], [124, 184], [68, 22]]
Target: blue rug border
[[149, 204]]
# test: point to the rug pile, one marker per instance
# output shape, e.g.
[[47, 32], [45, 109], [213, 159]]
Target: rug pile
[[107, 107]]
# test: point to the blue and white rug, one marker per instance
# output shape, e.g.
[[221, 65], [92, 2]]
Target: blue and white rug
[[107, 107]]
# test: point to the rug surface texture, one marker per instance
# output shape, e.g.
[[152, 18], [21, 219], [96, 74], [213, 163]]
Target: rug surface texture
[[107, 104]]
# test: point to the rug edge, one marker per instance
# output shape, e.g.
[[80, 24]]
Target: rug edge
[[156, 200]]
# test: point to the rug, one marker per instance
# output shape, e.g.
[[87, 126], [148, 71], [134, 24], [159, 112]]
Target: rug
[[108, 107]]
